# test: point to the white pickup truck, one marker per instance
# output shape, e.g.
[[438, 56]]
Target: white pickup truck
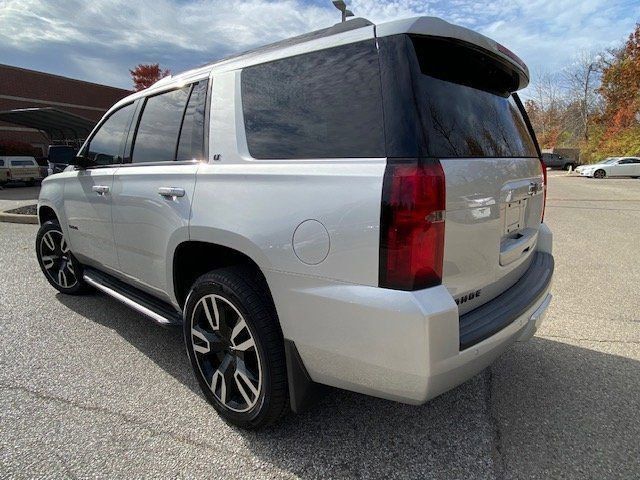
[[360, 207]]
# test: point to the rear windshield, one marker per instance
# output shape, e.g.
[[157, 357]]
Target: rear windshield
[[61, 155], [462, 100], [23, 163]]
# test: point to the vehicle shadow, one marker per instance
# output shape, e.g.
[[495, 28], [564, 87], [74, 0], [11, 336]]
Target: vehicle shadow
[[545, 409], [164, 346]]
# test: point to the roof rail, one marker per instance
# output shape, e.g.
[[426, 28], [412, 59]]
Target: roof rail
[[341, 27]]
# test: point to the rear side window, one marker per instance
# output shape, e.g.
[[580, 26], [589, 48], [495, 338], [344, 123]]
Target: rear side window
[[1, 163], [324, 104], [107, 145], [23, 163], [447, 100], [159, 126]]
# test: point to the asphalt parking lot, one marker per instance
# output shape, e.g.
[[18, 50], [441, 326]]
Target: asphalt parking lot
[[92, 389]]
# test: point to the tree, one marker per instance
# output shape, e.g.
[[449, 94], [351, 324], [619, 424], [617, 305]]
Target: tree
[[581, 80], [145, 75], [621, 86]]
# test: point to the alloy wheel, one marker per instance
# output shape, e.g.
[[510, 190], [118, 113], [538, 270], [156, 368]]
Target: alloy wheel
[[57, 260], [226, 353]]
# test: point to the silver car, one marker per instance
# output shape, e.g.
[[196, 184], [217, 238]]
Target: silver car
[[360, 207]]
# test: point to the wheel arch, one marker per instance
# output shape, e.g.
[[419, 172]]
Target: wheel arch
[[47, 213], [193, 258]]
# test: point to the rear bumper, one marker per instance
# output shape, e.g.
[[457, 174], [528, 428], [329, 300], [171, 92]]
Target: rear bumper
[[398, 345]]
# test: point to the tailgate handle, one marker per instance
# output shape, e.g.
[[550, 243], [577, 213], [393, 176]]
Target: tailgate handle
[[511, 249]]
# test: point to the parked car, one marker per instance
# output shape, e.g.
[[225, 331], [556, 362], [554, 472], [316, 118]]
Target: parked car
[[4, 173], [324, 210], [554, 160], [59, 157], [22, 169], [612, 167]]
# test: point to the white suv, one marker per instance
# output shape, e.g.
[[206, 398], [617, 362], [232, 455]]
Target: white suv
[[359, 207]]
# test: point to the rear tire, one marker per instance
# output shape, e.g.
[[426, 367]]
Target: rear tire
[[236, 348], [599, 174], [60, 267], [30, 183]]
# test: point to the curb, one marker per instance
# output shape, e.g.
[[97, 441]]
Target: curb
[[16, 218]]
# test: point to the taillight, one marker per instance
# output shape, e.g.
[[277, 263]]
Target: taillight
[[544, 188], [412, 225]]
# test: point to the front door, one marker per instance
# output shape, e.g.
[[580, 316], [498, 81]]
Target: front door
[[152, 194], [87, 193]]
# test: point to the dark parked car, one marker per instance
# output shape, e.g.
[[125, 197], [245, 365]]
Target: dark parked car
[[554, 160], [60, 157]]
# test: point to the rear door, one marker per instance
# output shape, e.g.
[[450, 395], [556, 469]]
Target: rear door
[[464, 115], [628, 167], [152, 192]]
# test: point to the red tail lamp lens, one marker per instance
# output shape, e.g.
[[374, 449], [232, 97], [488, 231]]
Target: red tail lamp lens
[[412, 225]]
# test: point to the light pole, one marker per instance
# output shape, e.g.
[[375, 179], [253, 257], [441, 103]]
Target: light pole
[[340, 5]]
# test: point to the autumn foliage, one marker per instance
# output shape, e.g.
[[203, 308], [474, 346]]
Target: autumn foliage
[[145, 75], [602, 114]]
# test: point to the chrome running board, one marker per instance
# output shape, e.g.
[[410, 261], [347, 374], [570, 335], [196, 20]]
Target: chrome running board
[[157, 310]]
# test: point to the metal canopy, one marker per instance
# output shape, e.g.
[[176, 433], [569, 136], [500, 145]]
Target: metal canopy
[[57, 124]]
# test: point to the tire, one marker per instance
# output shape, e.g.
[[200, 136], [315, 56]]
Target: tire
[[599, 174], [236, 348], [60, 267], [30, 183], [569, 166]]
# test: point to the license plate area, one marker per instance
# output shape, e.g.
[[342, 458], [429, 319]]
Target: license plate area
[[513, 216]]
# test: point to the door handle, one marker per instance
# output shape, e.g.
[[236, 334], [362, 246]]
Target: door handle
[[171, 191], [100, 189]]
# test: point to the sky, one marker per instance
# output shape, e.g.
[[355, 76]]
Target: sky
[[100, 40]]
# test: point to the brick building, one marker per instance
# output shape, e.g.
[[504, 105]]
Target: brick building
[[21, 88]]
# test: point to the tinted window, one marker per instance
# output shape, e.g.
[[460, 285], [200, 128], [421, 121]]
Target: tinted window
[[445, 99], [107, 144], [323, 104], [61, 154], [23, 163], [191, 144], [1, 163], [157, 134]]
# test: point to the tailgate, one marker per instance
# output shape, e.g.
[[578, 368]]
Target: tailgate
[[493, 214]]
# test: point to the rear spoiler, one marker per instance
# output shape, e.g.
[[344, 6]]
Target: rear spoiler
[[436, 27]]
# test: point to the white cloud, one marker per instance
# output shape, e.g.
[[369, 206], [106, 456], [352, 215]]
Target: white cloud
[[120, 34]]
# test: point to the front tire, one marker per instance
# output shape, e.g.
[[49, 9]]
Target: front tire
[[236, 348], [599, 174], [60, 267]]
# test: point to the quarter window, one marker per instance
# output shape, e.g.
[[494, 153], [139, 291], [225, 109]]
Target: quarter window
[[106, 146], [323, 104], [191, 144], [157, 134]]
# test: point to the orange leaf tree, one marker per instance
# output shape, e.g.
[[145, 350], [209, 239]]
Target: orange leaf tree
[[145, 75]]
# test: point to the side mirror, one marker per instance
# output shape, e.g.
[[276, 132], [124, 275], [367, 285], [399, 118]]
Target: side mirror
[[82, 162]]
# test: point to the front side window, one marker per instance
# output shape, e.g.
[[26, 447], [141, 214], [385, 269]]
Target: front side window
[[159, 126], [323, 104], [107, 144]]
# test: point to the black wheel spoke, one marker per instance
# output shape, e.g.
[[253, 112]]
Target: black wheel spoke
[[56, 259], [226, 353]]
